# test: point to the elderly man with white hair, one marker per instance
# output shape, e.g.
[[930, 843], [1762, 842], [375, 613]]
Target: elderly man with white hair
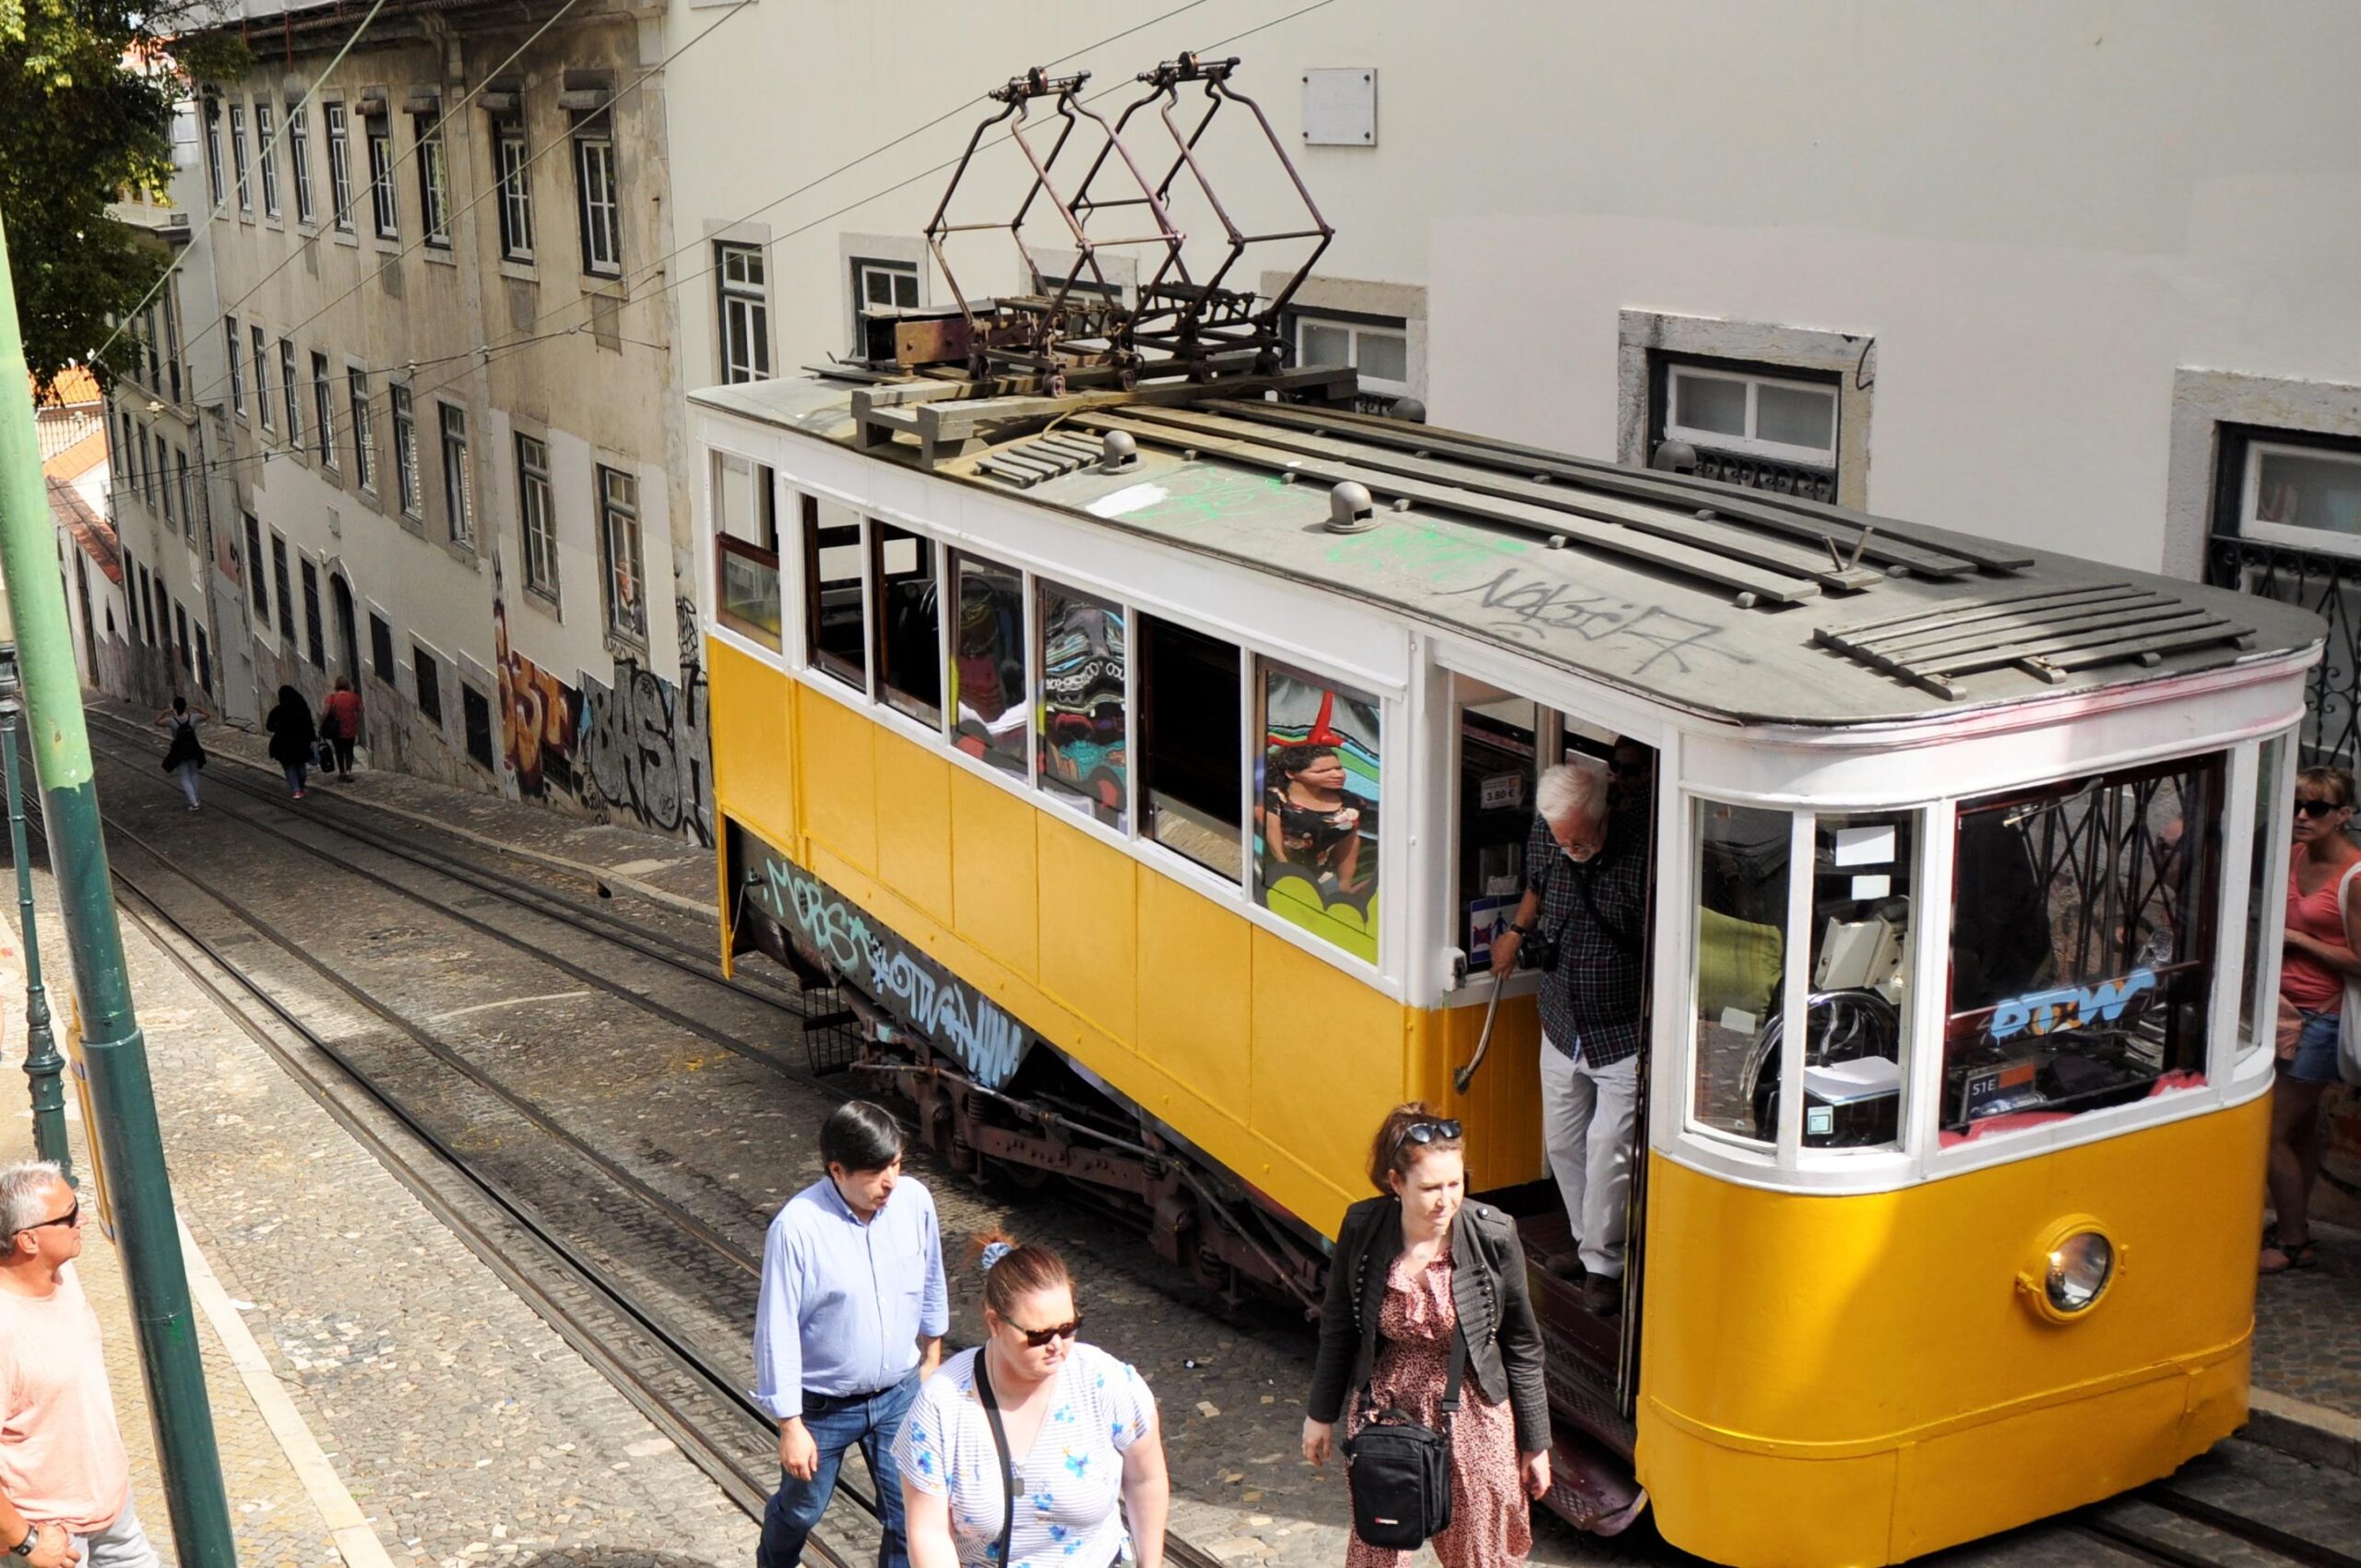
[[1584, 917], [65, 1478]]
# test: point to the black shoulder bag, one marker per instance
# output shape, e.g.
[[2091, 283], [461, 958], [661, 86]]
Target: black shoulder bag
[[1007, 1465], [1399, 1471]]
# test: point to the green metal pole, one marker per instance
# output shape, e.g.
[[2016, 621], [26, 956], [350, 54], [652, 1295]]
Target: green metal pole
[[43, 1066], [130, 1146]]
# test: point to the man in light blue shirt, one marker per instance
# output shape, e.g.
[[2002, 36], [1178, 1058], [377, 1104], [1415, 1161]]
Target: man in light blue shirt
[[849, 1322]]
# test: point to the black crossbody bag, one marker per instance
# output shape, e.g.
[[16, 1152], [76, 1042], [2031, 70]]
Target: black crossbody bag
[[1399, 1470], [1007, 1465]]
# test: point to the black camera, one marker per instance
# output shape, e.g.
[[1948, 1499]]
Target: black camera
[[1541, 951]]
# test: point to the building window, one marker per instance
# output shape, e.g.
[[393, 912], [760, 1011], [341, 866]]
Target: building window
[[381, 648], [405, 452], [2281, 487], [171, 312], [1378, 348], [292, 399], [325, 433], [269, 160], [180, 623], [596, 192], [339, 166], [262, 375], [316, 642], [203, 663], [745, 313], [1770, 432], [534, 514], [188, 511], [213, 148], [434, 182], [459, 485], [880, 287], [279, 579], [383, 213], [147, 469], [149, 339], [429, 685], [238, 156], [513, 168], [299, 162], [254, 569], [365, 435], [619, 550], [237, 365], [475, 718]]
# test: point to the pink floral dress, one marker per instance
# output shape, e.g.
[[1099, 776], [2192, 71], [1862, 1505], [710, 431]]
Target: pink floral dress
[[1489, 1524]]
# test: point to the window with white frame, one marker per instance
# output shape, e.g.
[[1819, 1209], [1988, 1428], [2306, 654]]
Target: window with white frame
[[597, 196], [512, 165], [269, 156], [880, 287], [238, 156], [434, 182], [322, 411], [744, 312], [340, 165], [212, 116], [364, 434], [2283, 487], [384, 211], [261, 344], [535, 516], [1378, 348], [619, 548], [405, 452], [188, 501], [299, 162], [459, 485], [237, 372], [1771, 432]]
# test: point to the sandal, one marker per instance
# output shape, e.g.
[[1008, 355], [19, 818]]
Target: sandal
[[2292, 1255]]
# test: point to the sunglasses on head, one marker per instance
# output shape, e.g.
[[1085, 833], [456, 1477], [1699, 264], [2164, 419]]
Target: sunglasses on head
[[1034, 1338], [2316, 808], [71, 1216], [1429, 1132]]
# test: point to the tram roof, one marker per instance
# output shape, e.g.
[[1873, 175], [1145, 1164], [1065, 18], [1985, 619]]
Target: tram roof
[[1713, 598]]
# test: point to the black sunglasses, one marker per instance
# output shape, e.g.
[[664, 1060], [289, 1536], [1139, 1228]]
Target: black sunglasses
[[2316, 808], [68, 1218], [1428, 1131], [1034, 1338]]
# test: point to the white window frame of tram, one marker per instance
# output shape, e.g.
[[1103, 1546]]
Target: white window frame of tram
[[1747, 441], [2329, 538], [266, 159], [1359, 337], [598, 189], [513, 161], [745, 312], [299, 162]]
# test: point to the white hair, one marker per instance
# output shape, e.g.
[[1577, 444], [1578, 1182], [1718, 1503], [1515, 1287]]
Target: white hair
[[1564, 790], [23, 1187]]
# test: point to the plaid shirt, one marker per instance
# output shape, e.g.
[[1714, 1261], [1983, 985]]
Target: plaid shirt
[[1590, 1004]]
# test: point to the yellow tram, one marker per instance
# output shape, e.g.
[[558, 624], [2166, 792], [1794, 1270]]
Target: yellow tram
[[1004, 670]]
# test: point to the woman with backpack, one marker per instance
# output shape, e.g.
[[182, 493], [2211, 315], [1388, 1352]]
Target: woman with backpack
[[1427, 1307], [292, 736], [184, 755]]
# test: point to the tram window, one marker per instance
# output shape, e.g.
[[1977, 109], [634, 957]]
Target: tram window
[[1316, 809], [1742, 855], [2266, 898], [909, 636], [2081, 946], [988, 665], [1865, 886], [1497, 736], [1086, 750], [835, 641], [1192, 771], [746, 548]]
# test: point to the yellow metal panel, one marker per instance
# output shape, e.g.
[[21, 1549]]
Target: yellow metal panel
[[840, 777], [1196, 982], [1799, 1330], [1089, 955], [993, 884], [753, 743], [914, 823], [1328, 1065], [1501, 1109]]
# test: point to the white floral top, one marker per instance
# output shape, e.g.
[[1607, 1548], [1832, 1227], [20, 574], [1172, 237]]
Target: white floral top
[[1069, 1514]]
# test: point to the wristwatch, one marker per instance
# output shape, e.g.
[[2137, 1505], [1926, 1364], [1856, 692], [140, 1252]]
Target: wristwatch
[[1520, 929], [31, 1542]]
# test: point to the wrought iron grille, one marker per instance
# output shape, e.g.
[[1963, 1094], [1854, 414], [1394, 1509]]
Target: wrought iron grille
[[1783, 479], [2330, 587]]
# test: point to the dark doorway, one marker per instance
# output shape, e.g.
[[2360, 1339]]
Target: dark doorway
[[347, 636]]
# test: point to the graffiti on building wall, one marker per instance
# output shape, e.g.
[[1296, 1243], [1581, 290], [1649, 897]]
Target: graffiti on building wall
[[642, 741], [538, 718]]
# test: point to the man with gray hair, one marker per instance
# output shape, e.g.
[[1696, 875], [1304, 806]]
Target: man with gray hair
[[64, 1479], [1584, 913]]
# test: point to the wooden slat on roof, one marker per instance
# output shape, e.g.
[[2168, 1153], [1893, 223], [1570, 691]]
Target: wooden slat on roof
[[2045, 633]]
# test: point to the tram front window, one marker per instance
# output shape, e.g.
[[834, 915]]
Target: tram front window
[[1865, 885], [2082, 927], [1742, 855]]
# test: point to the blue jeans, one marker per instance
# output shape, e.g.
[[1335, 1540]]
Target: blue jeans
[[795, 1509], [2315, 1058]]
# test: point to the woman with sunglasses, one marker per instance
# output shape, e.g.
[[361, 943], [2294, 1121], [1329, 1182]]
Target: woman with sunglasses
[[2323, 938], [1415, 1268], [1076, 1427]]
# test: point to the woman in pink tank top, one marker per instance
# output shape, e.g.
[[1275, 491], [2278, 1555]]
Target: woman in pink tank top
[[2323, 948]]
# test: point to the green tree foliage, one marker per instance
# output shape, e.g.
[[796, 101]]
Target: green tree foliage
[[86, 97]]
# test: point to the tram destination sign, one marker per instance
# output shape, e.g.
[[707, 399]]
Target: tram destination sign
[[863, 952]]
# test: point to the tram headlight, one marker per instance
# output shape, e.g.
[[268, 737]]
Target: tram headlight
[[2076, 1265]]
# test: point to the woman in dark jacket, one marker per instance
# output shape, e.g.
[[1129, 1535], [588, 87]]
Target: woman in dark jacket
[[1412, 1269], [292, 736]]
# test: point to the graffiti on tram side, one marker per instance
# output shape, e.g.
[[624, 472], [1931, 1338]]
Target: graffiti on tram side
[[912, 987]]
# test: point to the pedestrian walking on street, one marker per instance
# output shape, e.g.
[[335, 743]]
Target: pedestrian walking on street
[[340, 723], [1422, 1283], [2323, 953], [292, 736], [184, 755], [65, 1478], [1075, 1428], [848, 1323]]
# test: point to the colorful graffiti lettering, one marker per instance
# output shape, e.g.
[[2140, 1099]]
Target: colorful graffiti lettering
[[2069, 1007], [537, 717]]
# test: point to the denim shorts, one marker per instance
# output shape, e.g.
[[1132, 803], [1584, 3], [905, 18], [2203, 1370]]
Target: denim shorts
[[2315, 1058]]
